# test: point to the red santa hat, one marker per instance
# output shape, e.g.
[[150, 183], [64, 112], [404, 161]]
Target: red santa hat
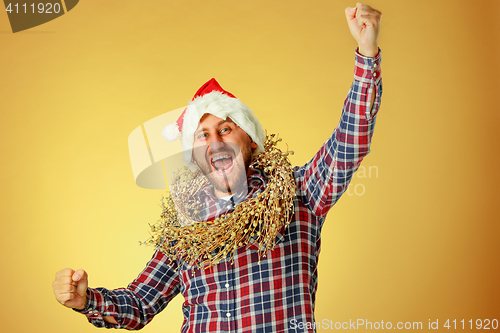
[[211, 98]]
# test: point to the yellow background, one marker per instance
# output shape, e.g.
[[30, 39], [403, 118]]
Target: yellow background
[[421, 243]]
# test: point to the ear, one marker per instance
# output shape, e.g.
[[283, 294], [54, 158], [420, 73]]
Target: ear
[[253, 145]]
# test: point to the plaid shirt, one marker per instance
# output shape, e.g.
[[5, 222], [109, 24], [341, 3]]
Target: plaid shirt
[[276, 294]]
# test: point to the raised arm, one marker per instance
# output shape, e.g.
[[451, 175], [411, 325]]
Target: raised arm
[[322, 180]]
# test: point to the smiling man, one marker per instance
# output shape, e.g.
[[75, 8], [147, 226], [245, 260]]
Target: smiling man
[[246, 260], [222, 150]]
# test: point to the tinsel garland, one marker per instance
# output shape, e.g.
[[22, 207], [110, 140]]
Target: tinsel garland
[[179, 234]]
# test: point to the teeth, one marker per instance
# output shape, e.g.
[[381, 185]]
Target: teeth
[[220, 157]]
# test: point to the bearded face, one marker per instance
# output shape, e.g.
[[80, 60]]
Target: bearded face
[[223, 152]]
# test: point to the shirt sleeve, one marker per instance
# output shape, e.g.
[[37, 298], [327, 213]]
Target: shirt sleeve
[[135, 306], [322, 180]]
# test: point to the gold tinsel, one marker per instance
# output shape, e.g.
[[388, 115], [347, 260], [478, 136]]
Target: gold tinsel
[[179, 235]]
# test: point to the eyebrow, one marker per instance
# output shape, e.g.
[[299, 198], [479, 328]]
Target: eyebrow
[[203, 129]]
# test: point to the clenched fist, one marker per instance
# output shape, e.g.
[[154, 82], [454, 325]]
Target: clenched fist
[[70, 288], [364, 24]]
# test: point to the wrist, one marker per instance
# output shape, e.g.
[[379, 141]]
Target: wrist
[[84, 303], [368, 51]]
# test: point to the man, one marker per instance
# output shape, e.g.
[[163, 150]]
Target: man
[[250, 288]]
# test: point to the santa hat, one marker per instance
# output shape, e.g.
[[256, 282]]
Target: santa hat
[[211, 98]]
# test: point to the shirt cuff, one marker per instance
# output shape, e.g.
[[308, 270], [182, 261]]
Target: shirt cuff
[[368, 68], [94, 309]]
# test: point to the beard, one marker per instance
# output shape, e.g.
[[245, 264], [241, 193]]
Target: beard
[[228, 173]]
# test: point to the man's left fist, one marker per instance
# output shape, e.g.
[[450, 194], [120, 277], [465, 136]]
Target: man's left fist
[[364, 23]]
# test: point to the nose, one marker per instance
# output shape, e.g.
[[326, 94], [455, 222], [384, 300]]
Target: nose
[[215, 142]]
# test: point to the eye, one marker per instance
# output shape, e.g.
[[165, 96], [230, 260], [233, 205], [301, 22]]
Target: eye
[[202, 135], [224, 130]]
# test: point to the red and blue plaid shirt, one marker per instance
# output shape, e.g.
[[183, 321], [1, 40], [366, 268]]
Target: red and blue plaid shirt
[[277, 293]]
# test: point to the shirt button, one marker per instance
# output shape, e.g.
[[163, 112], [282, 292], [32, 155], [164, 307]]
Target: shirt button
[[375, 65], [226, 285], [375, 74], [228, 315]]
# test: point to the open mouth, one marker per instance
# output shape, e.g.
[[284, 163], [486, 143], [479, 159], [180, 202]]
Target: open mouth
[[222, 163]]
